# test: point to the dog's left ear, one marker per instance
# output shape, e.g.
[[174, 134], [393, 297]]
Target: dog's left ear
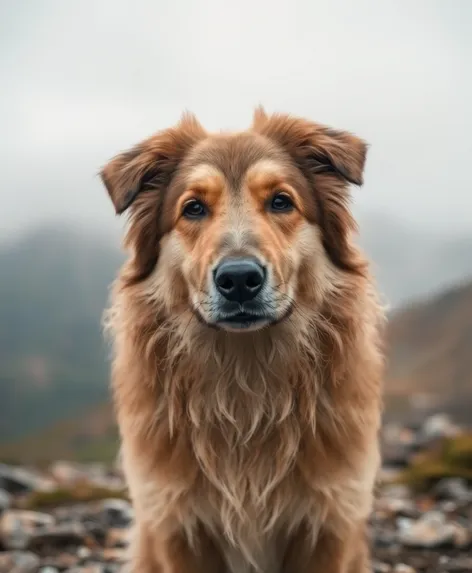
[[317, 148], [330, 160]]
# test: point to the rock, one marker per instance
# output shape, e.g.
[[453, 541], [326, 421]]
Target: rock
[[67, 473], [436, 427], [5, 500], [397, 507], [396, 491], [380, 567], [48, 569], [115, 555], [17, 480], [18, 562], [462, 536], [117, 538], [60, 561], [462, 564], [83, 553], [96, 531], [59, 537], [452, 489], [116, 513], [447, 506], [17, 527], [383, 538], [431, 531], [402, 568]]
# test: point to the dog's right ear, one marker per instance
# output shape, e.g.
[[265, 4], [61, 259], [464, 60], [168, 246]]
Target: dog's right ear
[[149, 165]]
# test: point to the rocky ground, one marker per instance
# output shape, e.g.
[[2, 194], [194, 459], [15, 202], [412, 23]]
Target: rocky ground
[[75, 518]]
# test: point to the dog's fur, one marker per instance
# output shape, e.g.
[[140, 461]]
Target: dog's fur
[[257, 450]]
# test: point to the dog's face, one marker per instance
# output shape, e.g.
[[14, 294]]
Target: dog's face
[[238, 227]]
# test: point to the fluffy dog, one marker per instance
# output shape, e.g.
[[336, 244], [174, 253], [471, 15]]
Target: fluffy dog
[[247, 366]]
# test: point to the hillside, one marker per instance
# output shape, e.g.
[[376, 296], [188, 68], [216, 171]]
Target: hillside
[[430, 353], [52, 357]]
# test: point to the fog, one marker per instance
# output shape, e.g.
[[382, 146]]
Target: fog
[[82, 80]]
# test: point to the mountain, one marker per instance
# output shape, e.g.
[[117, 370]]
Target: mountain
[[53, 364], [430, 355], [53, 360], [412, 263]]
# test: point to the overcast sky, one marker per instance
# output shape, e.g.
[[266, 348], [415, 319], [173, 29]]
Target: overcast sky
[[83, 79]]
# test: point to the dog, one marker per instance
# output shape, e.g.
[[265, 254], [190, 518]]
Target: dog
[[247, 364]]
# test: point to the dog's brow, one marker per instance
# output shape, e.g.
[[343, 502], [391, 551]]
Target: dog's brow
[[265, 173], [205, 175]]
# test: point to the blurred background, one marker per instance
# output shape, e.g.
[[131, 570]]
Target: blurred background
[[84, 80]]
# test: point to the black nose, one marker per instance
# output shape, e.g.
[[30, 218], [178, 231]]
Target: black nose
[[239, 280]]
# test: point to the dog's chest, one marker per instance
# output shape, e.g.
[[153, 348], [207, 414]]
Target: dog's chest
[[268, 560], [252, 502]]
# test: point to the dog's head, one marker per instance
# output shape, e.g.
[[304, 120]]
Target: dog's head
[[238, 227]]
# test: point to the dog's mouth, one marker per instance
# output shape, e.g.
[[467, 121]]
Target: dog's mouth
[[243, 321]]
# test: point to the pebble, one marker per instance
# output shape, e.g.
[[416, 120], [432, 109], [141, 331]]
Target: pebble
[[5, 500], [452, 489], [17, 527], [116, 512], [379, 567], [59, 536], [16, 480], [402, 568], [430, 531], [19, 562], [117, 537], [461, 564]]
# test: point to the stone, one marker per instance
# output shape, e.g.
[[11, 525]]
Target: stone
[[462, 536], [18, 562], [61, 561], [117, 538], [66, 473], [16, 480], [116, 512], [431, 531], [397, 507], [59, 536], [452, 489], [115, 555], [402, 568], [380, 567], [17, 527], [439, 426], [83, 553], [461, 564], [5, 500]]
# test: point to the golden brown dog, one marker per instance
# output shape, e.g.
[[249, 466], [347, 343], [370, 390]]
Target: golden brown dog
[[247, 369]]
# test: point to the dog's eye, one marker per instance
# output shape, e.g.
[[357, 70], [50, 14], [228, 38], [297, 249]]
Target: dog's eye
[[194, 209], [281, 202]]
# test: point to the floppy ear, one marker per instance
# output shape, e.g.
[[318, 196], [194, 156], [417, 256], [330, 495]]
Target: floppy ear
[[149, 165], [318, 148], [144, 173], [330, 160]]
